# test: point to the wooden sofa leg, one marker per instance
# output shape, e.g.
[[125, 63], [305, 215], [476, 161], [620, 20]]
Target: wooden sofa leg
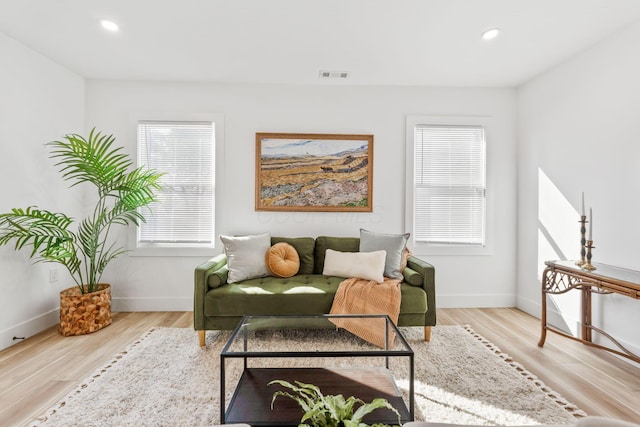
[[427, 333], [202, 337]]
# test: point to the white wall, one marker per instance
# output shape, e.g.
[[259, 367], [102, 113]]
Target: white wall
[[578, 130], [40, 101], [156, 283]]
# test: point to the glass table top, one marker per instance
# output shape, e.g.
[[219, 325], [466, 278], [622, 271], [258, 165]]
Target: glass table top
[[312, 336]]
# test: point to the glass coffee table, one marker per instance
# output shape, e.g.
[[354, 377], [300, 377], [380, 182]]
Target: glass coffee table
[[310, 349]]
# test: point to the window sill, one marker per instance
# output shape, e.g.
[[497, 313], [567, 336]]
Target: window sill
[[451, 250], [172, 251]]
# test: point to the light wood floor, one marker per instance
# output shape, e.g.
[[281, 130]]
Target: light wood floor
[[41, 370]]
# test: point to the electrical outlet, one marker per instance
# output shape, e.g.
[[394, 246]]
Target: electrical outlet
[[53, 275]]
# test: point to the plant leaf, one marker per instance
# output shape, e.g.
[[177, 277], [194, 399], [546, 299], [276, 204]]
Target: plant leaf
[[377, 403]]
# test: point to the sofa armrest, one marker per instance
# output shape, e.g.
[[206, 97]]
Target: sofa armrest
[[201, 287], [428, 273]]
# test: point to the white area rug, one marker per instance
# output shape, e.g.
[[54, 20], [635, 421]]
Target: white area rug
[[166, 379]]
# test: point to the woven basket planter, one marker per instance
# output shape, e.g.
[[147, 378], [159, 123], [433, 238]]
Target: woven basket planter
[[84, 313]]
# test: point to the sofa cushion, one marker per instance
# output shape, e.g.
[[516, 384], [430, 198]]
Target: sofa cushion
[[300, 294], [304, 246], [282, 260], [364, 265], [342, 244], [393, 244], [245, 256]]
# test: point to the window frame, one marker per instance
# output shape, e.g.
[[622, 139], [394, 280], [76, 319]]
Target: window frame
[[421, 248], [182, 249]]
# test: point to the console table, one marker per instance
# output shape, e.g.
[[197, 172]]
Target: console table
[[563, 276]]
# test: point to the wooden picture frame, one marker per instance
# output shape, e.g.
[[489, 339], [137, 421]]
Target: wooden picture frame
[[314, 172]]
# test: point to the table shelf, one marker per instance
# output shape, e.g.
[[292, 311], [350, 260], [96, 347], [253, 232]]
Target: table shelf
[[251, 401]]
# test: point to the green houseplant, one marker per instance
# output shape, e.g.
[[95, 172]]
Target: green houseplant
[[328, 410], [84, 248]]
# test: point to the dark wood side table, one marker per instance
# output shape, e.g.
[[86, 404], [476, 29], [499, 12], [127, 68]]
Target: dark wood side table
[[560, 277]]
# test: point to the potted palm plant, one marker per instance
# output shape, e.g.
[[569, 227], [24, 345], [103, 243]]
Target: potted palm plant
[[84, 248]]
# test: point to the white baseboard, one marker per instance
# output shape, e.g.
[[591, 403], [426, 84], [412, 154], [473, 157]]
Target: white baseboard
[[38, 324], [152, 304], [555, 319], [475, 301], [28, 328]]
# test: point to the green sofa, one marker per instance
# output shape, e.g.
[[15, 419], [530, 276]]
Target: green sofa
[[219, 305]]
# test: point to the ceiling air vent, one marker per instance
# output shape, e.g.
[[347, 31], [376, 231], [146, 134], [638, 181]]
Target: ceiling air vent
[[334, 74]]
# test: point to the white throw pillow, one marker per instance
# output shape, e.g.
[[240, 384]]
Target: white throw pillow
[[364, 265], [246, 256]]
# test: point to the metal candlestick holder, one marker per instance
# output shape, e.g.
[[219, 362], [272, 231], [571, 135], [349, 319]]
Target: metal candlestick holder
[[583, 230], [588, 266]]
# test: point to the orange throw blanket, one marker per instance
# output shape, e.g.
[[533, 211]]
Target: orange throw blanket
[[360, 296]]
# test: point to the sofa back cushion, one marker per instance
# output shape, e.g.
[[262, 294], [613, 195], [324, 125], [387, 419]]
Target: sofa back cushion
[[304, 246], [341, 244]]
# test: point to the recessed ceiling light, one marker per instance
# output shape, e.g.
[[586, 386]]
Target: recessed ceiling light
[[491, 34], [109, 25]]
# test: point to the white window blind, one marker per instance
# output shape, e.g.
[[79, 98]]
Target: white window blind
[[184, 151], [449, 201]]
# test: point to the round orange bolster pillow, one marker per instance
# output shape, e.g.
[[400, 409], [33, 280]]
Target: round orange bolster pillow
[[282, 260]]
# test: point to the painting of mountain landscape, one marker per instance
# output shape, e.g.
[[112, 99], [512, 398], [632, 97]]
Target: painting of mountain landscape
[[314, 172]]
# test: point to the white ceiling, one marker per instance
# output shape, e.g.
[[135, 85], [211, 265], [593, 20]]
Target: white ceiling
[[379, 42]]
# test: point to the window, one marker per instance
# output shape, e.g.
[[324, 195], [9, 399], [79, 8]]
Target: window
[[185, 211], [448, 188]]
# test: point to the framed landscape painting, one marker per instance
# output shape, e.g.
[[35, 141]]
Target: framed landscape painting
[[314, 172]]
